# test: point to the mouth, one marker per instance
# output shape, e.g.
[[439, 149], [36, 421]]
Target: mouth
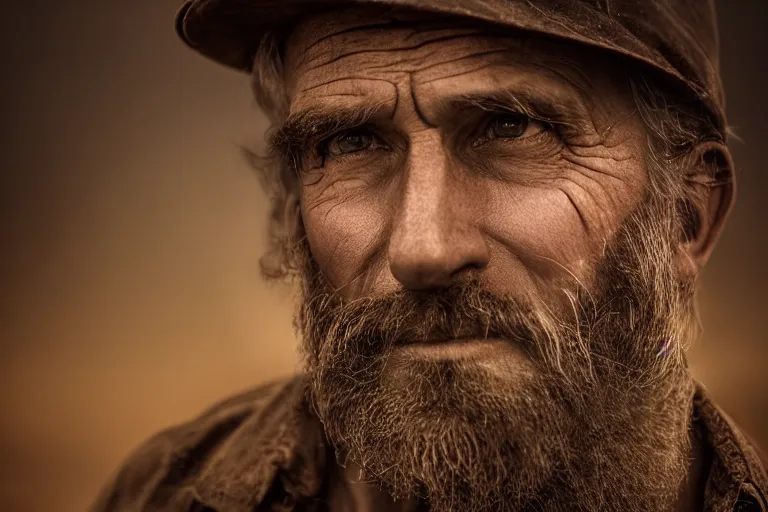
[[456, 348]]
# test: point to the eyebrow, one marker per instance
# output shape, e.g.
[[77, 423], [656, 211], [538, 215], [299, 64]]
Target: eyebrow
[[544, 107], [289, 141]]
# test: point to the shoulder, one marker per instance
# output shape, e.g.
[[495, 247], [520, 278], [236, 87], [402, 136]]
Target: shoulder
[[737, 475], [178, 455]]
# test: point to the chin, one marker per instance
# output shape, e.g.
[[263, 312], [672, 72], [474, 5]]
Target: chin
[[466, 425], [484, 428]]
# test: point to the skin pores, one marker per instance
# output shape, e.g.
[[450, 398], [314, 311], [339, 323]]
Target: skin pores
[[464, 152]]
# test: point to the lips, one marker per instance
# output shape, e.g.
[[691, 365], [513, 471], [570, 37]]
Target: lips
[[463, 348], [455, 337], [456, 341]]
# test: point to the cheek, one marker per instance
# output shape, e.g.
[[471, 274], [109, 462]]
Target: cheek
[[537, 224], [555, 231], [344, 229]]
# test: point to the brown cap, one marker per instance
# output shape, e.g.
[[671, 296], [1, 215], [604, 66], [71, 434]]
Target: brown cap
[[676, 37]]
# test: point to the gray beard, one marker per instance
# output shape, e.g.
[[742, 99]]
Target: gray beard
[[599, 423]]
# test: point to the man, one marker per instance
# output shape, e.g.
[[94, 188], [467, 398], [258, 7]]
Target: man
[[497, 211]]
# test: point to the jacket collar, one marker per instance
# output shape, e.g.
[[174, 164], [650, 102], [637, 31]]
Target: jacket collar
[[737, 479], [279, 456]]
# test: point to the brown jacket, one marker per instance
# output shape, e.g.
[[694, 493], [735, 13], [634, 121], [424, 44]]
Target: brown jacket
[[264, 451]]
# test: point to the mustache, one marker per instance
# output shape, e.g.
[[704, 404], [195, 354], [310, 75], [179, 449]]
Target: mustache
[[465, 309]]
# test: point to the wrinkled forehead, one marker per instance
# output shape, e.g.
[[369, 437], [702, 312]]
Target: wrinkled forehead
[[341, 27], [362, 31]]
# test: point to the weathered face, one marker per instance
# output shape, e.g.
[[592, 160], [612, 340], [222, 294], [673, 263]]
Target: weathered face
[[441, 150], [490, 294]]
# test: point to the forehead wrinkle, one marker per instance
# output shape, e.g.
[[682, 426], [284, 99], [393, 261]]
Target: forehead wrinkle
[[506, 58], [353, 91], [534, 58], [407, 39], [391, 24], [402, 49], [457, 60], [346, 79], [310, 51], [503, 85], [353, 20]]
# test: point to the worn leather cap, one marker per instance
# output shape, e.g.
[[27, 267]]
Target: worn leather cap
[[676, 37]]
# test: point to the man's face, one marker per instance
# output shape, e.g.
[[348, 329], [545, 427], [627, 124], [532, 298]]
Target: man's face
[[442, 151], [474, 205]]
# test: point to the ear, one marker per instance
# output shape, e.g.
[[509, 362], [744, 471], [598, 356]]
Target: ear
[[710, 187]]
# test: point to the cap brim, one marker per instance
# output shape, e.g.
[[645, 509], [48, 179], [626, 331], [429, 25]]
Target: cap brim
[[229, 31]]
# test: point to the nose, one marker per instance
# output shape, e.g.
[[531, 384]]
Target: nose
[[435, 236]]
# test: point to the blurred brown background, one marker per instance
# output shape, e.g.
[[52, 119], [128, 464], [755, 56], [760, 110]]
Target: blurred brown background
[[131, 230]]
